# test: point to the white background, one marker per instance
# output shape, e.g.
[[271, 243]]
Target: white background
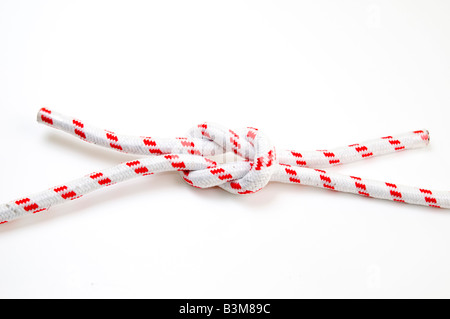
[[311, 75]]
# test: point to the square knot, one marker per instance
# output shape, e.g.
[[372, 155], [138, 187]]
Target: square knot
[[252, 145]]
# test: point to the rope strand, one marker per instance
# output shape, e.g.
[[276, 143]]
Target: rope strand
[[260, 164]]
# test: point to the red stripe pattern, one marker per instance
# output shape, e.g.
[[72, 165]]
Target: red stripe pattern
[[325, 179], [221, 174], [45, 116], [292, 174], [79, 129], [429, 198], [66, 193], [29, 206], [189, 145], [101, 179], [395, 193], [153, 148], [235, 145], [176, 162], [360, 186], [362, 150], [398, 146], [299, 158], [424, 135], [113, 141], [204, 130], [138, 168], [331, 157]]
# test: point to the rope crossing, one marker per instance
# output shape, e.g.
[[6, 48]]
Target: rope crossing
[[261, 163]]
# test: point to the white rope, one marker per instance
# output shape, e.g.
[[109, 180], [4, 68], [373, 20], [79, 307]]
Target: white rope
[[261, 163]]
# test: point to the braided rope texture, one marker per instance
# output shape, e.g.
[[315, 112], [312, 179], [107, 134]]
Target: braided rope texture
[[260, 164]]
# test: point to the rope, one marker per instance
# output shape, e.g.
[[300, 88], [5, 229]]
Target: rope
[[260, 164]]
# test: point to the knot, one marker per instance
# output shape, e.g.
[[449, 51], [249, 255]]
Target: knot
[[257, 152], [259, 164]]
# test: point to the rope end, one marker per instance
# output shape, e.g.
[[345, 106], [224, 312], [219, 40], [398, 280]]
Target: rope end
[[45, 116]]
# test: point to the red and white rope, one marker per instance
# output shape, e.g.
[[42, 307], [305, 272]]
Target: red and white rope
[[260, 164]]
